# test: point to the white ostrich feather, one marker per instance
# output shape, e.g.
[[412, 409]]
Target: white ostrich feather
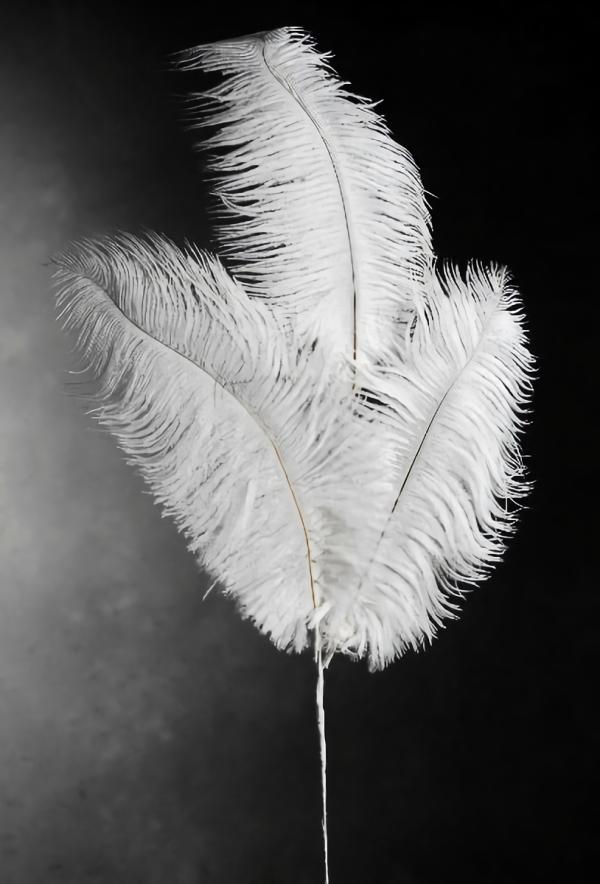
[[452, 411], [336, 428], [325, 216], [202, 392]]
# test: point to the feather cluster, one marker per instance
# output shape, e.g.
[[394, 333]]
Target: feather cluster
[[331, 419]]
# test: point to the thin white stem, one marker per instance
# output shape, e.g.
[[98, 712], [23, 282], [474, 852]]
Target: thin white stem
[[322, 743]]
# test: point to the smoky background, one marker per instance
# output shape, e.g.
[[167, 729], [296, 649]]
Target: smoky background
[[149, 736]]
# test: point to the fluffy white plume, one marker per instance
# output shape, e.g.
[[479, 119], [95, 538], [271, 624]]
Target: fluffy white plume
[[336, 429], [452, 411], [325, 214], [253, 449]]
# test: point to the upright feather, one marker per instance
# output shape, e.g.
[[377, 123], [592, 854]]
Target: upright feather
[[325, 214]]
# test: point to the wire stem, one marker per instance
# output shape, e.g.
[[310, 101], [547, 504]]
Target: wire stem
[[322, 743]]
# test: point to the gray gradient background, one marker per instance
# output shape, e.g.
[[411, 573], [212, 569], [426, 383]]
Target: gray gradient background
[[148, 736]]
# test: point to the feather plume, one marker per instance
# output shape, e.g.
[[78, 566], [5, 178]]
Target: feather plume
[[201, 391], [334, 424], [452, 412], [325, 214]]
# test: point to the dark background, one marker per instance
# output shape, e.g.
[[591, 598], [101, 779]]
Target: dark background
[[147, 736]]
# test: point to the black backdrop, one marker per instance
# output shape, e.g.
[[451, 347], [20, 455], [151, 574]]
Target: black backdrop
[[471, 761]]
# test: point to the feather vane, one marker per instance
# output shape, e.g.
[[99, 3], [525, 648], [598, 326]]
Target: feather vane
[[325, 214], [201, 394], [453, 412]]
